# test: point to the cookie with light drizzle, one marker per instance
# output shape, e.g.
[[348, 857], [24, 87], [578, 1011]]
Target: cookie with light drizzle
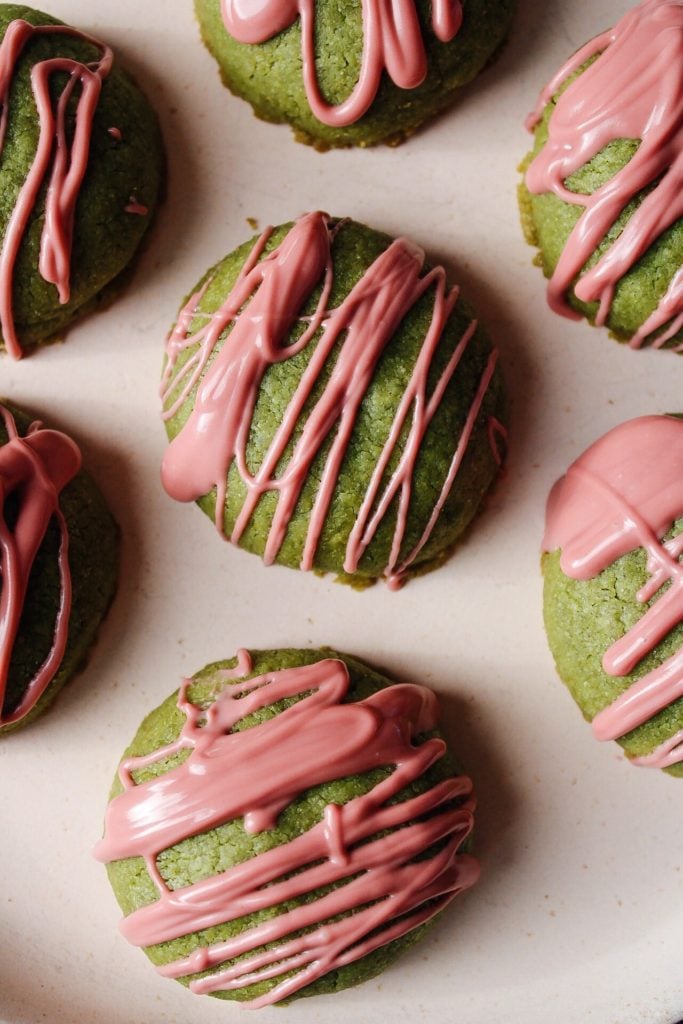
[[601, 198], [58, 565], [80, 173], [332, 403], [351, 73], [614, 587], [286, 825]]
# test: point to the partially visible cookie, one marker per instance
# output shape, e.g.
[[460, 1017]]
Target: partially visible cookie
[[58, 565], [351, 74], [613, 600], [332, 403], [601, 198], [286, 825], [80, 173]]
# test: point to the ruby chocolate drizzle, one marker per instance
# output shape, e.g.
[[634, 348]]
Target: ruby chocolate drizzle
[[33, 469], [392, 42], [633, 90], [625, 492], [58, 163], [273, 292], [254, 774]]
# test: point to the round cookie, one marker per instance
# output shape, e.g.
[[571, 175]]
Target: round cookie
[[286, 825], [601, 198], [80, 173], [332, 403], [58, 565], [351, 73], [612, 597]]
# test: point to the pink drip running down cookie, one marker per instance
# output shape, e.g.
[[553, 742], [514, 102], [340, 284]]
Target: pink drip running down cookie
[[625, 493], [261, 309], [365, 893], [632, 90]]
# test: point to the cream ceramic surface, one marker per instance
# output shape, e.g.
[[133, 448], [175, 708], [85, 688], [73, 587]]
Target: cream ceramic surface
[[579, 913]]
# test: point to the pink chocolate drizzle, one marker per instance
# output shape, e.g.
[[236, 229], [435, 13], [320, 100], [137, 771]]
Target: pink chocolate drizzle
[[625, 493], [59, 162], [255, 774], [262, 308], [634, 90], [136, 208], [392, 42], [35, 468]]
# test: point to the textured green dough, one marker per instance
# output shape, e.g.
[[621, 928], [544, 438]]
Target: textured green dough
[[548, 222], [583, 618], [93, 560], [269, 75], [204, 855], [354, 248], [105, 236]]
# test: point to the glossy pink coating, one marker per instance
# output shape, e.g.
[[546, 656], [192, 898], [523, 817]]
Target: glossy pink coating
[[33, 471], [60, 162], [633, 90], [392, 42], [624, 493], [255, 774], [263, 306]]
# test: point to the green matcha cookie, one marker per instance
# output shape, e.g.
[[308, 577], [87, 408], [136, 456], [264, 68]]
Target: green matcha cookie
[[80, 173], [601, 192], [332, 404], [286, 825], [351, 73], [612, 599], [58, 565]]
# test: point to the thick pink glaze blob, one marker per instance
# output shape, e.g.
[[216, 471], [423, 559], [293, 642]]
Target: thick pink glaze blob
[[33, 471], [392, 42], [60, 161], [633, 90], [255, 774], [263, 306], [625, 492]]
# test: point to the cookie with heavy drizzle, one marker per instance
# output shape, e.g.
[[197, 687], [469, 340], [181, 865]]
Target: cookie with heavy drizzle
[[57, 565], [286, 825], [614, 587], [332, 403], [351, 73], [602, 192], [80, 172]]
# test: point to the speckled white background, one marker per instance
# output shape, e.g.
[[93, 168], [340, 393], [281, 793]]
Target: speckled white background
[[579, 914]]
